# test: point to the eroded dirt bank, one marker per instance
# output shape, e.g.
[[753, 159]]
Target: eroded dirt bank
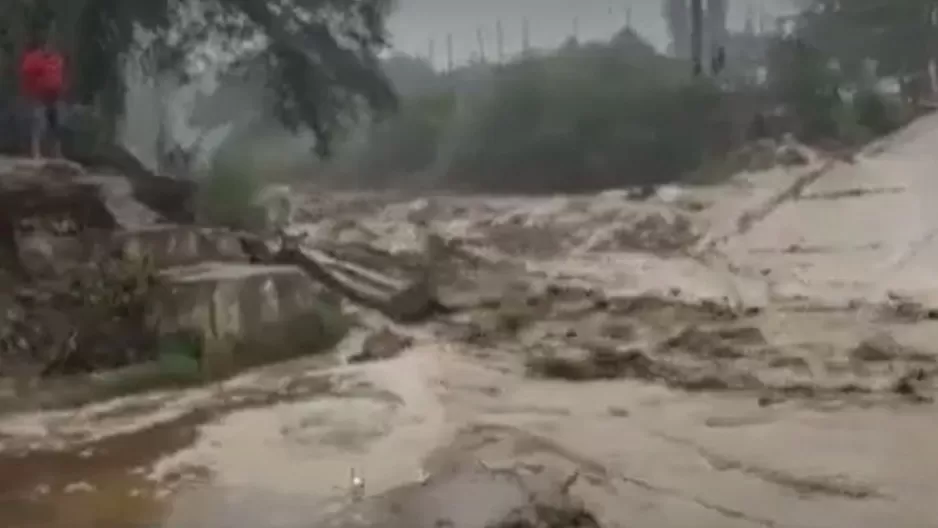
[[720, 357]]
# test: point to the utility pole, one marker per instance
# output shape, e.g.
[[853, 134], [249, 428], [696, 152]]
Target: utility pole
[[500, 41], [449, 53], [481, 41], [525, 36], [628, 16], [932, 65], [576, 29], [749, 28], [696, 35], [431, 53], [763, 18]]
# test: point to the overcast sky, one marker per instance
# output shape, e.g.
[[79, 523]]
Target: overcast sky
[[417, 22]]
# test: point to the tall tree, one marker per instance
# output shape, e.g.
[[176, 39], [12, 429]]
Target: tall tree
[[319, 56], [898, 35]]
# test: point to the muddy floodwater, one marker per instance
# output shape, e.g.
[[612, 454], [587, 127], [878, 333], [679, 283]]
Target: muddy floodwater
[[759, 353]]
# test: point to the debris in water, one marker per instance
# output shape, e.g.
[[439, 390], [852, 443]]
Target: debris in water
[[383, 344], [914, 384], [357, 485], [79, 487]]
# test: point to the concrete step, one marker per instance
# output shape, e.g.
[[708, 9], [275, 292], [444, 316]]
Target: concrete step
[[170, 246], [50, 251], [242, 315], [116, 194]]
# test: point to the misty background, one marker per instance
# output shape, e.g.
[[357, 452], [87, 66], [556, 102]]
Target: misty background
[[418, 23], [158, 110]]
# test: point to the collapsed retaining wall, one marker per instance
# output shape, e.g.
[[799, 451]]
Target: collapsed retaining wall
[[89, 281]]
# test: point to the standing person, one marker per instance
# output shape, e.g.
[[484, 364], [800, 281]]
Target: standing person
[[42, 82]]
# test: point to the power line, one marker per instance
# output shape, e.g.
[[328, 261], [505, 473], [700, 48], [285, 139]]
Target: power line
[[449, 52], [525, 36], [500, 41]]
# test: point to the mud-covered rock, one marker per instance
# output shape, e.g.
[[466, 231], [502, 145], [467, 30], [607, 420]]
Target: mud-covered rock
[[727, 343], [383, 344], [549, 515], [470, 496], [790, 156], [655, 232], [594, 364], [883, 347]]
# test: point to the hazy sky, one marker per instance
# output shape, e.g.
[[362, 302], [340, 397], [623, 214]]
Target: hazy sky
[[417, 22]]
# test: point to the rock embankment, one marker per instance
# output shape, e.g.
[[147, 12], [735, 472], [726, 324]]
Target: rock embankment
[[96, 275]]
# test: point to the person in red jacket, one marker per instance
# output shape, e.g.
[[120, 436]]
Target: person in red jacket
[[42, 81]]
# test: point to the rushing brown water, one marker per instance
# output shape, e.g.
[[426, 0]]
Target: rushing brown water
[[101, 485], [766, 405]]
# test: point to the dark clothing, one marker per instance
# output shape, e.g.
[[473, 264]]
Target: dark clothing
[[46, 118]]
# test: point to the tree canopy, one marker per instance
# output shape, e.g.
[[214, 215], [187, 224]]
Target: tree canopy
[[320, 57], [898, 35]]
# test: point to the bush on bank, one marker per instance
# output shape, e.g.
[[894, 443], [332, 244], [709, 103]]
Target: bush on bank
[[599, 115], [584, 117]]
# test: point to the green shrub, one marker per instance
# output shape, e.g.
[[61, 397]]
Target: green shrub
[[800, 77], [583, 117], [228, 194], [873, 112], [589, 117], [849, 129], [408, 142]]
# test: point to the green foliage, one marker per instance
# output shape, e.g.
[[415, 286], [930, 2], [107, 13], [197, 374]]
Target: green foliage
[[873, 113], [847, 127], [227, 194], [829, 56], [334, 324], [800, 78], [179, 358], [897, 34], [586, 116], [407, 143], [411, 76], [319, 60]]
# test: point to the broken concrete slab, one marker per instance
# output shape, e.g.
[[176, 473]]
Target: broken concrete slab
[[45, 251], [401, 300], [116, 194], [168, 246], [131, 199], [34, 195], [404, 302], [246, 315]]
